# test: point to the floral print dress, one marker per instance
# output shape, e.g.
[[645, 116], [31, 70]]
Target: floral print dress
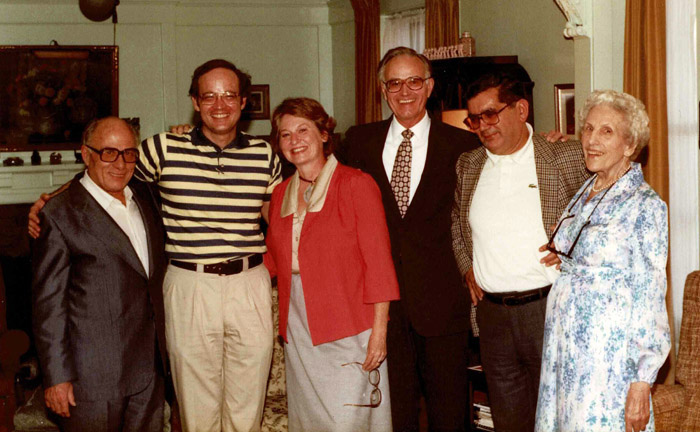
[[606, 323]]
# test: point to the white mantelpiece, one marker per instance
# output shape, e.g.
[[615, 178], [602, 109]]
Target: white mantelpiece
[[24, 184]]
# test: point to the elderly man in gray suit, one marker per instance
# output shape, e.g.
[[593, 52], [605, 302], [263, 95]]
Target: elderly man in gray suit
[[97, 292], [510, 192]]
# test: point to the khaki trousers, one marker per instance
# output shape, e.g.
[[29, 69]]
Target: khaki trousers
[[219, 336]]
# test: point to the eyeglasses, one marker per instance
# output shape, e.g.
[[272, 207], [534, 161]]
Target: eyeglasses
[[209, 98], [413, 83], [109, 154], [550, 245], [375, 398], [490, 117]]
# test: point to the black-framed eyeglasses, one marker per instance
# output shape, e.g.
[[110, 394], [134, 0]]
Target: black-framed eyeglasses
[[109, 154], [550, 245], [413, 83], [209, 98], [490, 117], [375, 397]]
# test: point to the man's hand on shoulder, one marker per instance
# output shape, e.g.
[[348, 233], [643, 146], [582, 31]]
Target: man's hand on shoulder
[[59, 398], [554, 136], [181, 129]]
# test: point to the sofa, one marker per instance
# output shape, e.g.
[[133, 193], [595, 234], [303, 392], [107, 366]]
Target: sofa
[[275, 414], [677, 406]]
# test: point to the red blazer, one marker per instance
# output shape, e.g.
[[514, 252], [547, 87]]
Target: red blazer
[[344, 257]]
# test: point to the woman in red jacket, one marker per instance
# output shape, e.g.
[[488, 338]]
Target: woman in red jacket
[[329, 246]]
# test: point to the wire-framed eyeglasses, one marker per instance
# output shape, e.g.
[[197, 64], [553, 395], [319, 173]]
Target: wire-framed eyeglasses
[[550, 245], [490, 117], [109, 154], [209, 98], [375, 397], [413, 83]]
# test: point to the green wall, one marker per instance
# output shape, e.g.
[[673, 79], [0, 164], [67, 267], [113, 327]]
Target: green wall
[[532, 30]]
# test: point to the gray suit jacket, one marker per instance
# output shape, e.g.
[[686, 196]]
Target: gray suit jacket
[[96, 312], [560, 173]]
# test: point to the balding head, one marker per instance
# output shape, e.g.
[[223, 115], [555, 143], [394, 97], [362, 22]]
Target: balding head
[[101, 138]]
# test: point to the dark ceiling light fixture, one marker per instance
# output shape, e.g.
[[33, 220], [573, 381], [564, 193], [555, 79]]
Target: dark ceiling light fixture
[[99, 10]]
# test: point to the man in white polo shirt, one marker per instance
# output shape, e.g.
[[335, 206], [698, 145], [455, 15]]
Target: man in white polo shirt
[[509, 193]]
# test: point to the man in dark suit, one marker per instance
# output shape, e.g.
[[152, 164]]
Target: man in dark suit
[[415, 170], [97, 292], [510, 192]]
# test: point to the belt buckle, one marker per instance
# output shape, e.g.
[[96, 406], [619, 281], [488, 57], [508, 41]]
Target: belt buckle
[[218, 268], [507, 298]]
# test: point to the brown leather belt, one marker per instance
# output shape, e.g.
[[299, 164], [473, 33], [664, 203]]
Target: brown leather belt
[[227, 268], [518, 298]]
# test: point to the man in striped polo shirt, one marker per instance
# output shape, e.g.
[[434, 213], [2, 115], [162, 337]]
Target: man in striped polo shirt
[[215, 182]]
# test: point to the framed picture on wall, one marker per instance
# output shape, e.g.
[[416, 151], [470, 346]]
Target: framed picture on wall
[[48, 94], [565, 121], [257, 106]]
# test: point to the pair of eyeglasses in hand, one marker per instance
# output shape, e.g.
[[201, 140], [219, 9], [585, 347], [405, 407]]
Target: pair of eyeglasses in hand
[[375, 398], [550, 245]]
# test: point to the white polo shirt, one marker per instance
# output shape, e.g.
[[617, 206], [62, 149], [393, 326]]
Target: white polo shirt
[[506, 222]]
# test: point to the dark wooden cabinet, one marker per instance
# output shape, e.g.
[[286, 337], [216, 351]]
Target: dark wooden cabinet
[[453, 76]]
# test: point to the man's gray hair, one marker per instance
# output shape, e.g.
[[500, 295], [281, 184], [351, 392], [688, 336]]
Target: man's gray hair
[[402, 51], [631, 108]]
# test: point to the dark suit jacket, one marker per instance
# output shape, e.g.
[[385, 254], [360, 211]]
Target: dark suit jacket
[[560, 173], [432, 293], [96, 312]]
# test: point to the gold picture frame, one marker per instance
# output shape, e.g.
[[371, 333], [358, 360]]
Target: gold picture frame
[[257, 105], [48, 94]]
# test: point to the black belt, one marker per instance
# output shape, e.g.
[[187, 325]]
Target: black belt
[[518, 298], [230, 267]]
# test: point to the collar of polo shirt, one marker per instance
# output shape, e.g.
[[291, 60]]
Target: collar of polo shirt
[[198, 138]]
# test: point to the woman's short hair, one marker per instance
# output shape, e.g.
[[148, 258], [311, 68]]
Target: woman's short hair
[[309, 109], [632, 109]]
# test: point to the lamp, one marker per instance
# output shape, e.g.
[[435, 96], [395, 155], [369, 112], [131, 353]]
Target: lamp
[[98, 10]]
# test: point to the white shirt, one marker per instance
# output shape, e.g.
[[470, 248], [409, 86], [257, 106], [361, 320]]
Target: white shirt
[[506, 222], [127, 217], [419, 145]]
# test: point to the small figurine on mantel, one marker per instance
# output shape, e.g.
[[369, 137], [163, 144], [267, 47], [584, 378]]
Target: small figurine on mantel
[[55, 158], [36, 158]]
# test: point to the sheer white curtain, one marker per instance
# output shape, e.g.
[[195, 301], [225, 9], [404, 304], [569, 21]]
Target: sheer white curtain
[[682, 108], [404, 29]]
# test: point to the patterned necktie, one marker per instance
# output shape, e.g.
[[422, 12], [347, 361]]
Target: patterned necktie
[[401, 175]]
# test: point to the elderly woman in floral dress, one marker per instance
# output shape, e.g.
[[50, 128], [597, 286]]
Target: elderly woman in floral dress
[[606, 331]]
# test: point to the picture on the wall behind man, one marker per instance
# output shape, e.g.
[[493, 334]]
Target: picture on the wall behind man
[[49, 93], [565, 115]]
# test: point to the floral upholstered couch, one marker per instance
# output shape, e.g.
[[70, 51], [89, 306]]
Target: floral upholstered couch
[[275, 414], [677, 406]]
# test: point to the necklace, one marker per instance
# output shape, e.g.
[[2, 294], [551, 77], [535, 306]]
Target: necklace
[[307, 180], [310, 189], [612, 182]]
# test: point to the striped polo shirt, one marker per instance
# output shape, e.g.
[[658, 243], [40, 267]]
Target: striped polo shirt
[[211, 198]]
